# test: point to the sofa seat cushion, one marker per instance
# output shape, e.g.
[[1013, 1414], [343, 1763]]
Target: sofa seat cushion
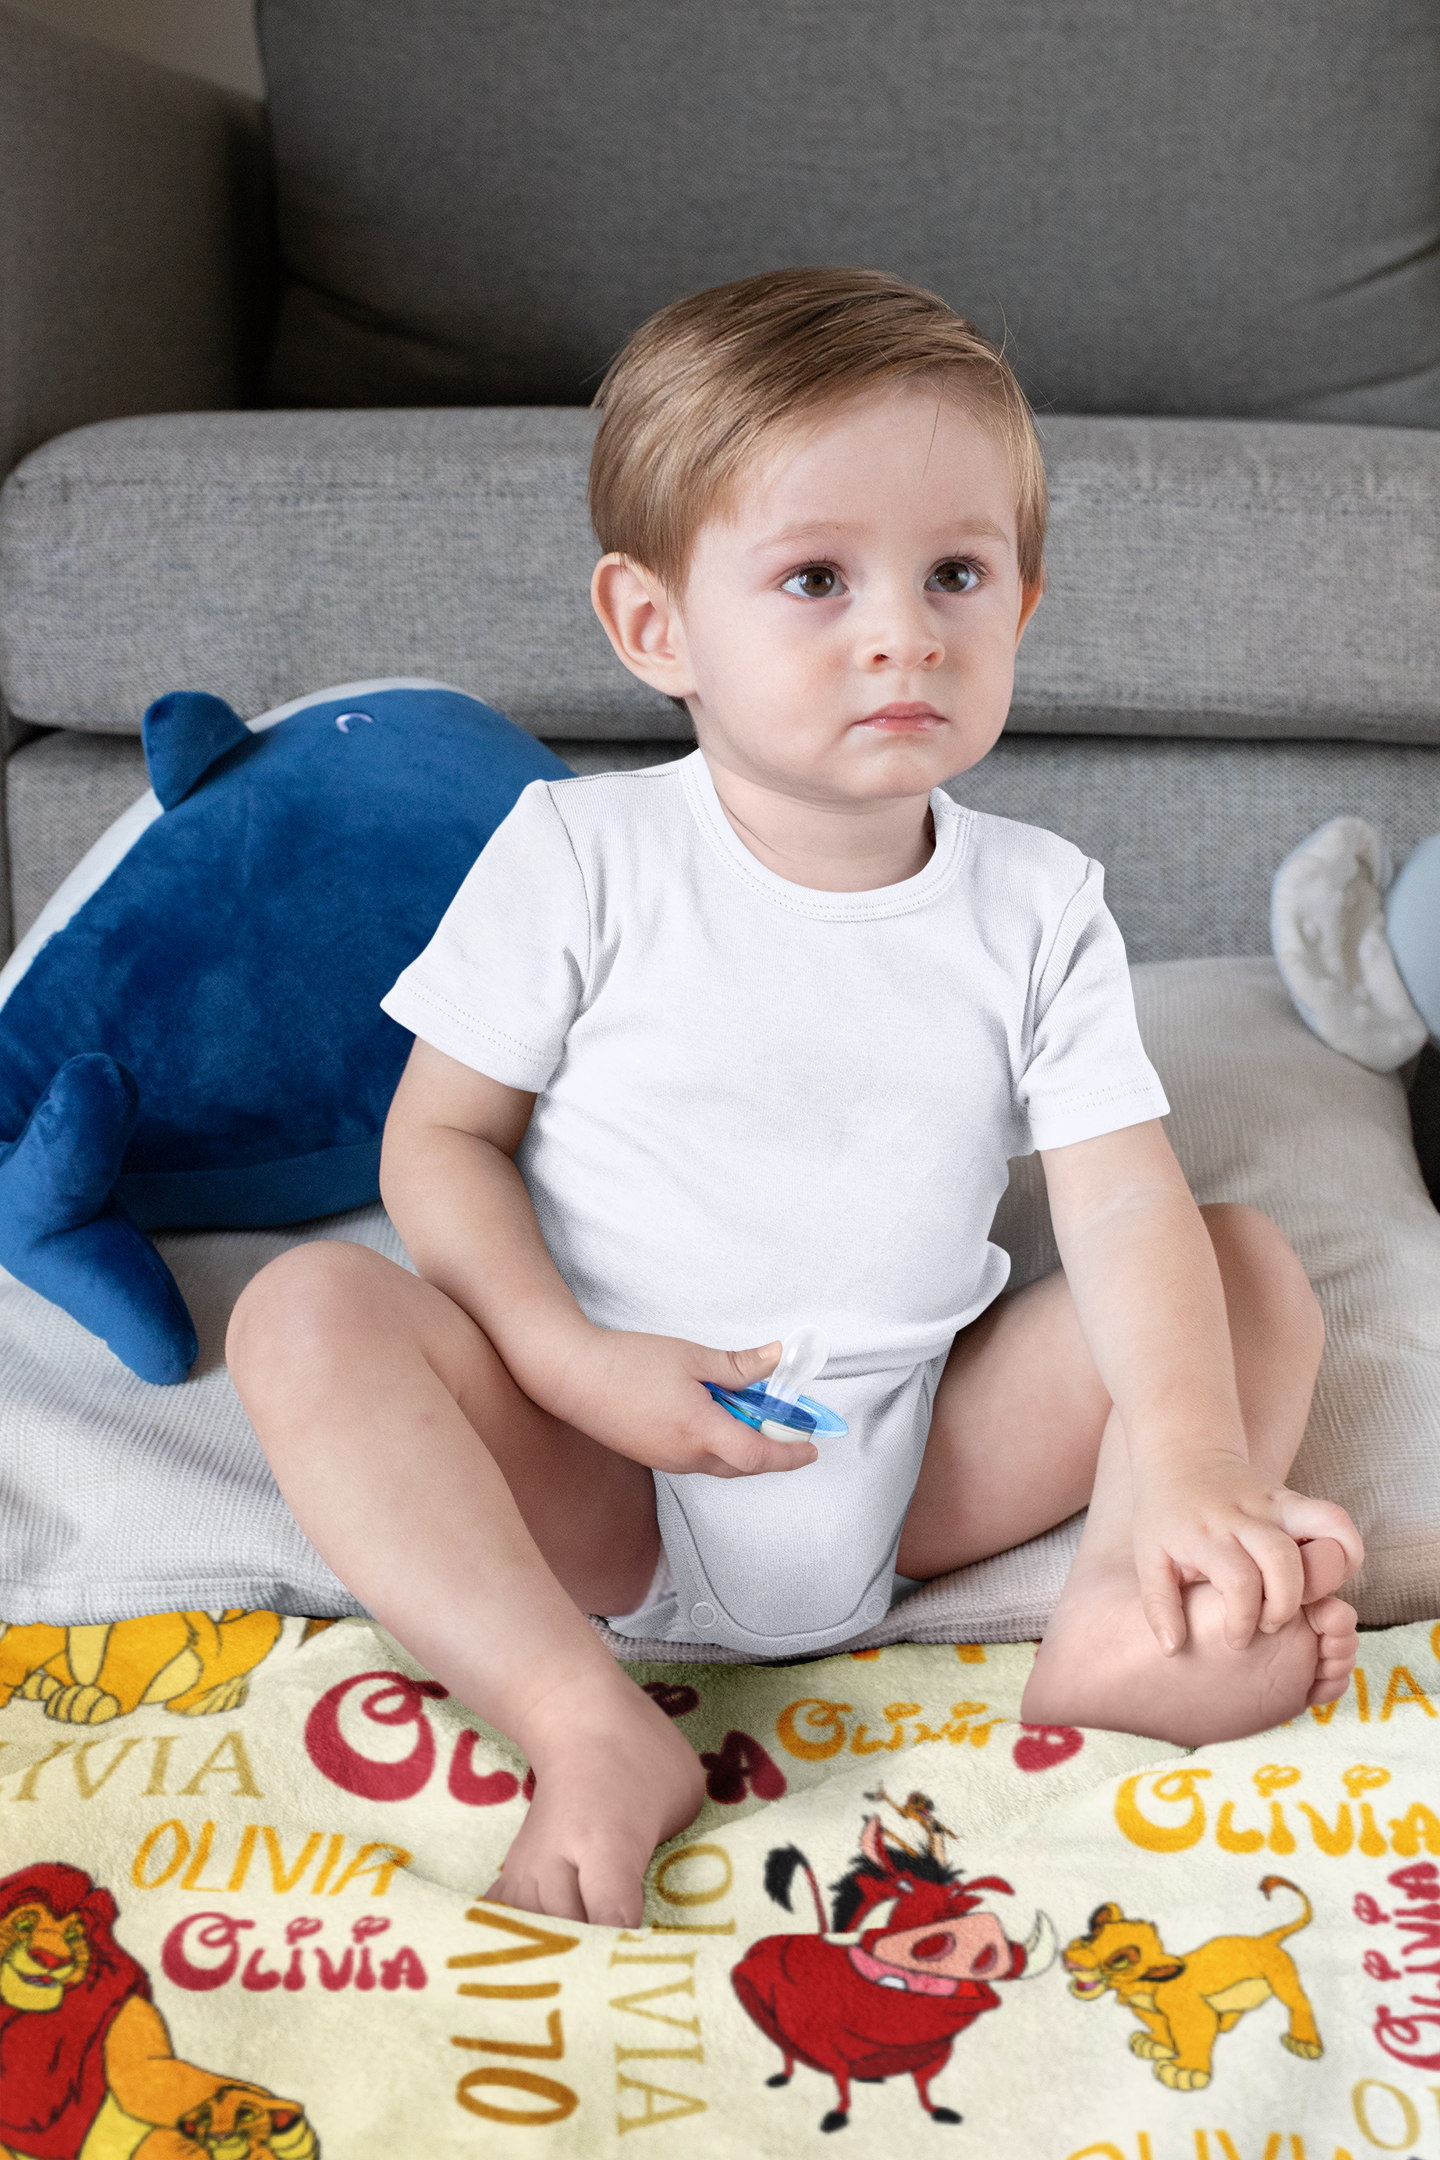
[[258, 554], [127, 1499], [1189, 832]]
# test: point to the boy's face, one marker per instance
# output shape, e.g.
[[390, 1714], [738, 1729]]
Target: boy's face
[[848, 633]]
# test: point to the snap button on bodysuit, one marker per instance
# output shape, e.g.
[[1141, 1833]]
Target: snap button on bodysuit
[[702, 1615]]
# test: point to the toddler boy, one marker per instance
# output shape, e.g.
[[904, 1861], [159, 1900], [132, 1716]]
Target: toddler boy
[[714, 1049]]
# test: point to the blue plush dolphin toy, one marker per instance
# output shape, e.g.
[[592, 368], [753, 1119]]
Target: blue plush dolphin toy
[[191, 1033]]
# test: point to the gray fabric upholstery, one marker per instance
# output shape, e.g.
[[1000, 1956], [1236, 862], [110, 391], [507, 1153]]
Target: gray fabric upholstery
[[1226, 578], [1247, 579], [133, 236], [1222, 209], [1190, 833], [62, 792]]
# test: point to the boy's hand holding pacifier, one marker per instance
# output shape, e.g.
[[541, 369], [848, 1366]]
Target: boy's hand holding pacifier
[[1211, 1519], [645, 1396]]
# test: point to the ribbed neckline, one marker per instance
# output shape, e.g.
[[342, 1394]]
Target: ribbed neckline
[[952, 824]]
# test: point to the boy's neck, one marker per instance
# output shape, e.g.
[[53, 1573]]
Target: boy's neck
[[828, 846]]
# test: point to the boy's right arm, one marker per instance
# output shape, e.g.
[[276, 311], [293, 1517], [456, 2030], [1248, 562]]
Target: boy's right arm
[[455, 1196]]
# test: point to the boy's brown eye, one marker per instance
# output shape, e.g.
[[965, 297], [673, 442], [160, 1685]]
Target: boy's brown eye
[[953, 577], [816, 583]]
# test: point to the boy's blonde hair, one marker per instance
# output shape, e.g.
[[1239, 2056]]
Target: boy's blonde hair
[[708, 384]]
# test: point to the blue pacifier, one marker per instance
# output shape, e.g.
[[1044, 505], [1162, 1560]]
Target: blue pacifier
[[776, 1406]]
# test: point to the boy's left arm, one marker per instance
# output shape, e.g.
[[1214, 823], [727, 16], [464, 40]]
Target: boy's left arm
[[1147, 1289]]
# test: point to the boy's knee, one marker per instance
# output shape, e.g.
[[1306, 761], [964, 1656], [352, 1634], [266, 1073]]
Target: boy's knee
[[302, 1300], [1258, 1262]]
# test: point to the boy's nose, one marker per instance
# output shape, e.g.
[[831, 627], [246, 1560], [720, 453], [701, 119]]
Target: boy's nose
[[900, 651], [903, 637]]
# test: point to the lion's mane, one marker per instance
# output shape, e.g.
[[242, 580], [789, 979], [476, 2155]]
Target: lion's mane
[[52, 2062]]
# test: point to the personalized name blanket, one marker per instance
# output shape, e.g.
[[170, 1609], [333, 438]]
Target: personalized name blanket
[[242, 1858]]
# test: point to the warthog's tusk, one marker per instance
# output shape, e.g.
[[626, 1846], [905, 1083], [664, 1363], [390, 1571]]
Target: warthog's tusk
[[1041, 1947]]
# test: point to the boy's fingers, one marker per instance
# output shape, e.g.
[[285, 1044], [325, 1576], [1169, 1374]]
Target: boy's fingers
[[748, 1452], [738, 1368], [611, 1897], [1160, 1602], [1302, 1517], [1282, 1575], [1242, 1589]]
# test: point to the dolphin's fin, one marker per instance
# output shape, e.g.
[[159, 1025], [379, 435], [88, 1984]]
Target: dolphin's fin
[[62, 1233], [184, 733]]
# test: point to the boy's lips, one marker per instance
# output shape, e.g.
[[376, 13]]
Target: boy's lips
[[904, 719]]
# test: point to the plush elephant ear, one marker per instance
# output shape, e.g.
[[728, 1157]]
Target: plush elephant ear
[[1327, 925]]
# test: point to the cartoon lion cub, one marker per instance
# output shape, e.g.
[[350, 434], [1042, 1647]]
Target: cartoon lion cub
[[1184, 2002]]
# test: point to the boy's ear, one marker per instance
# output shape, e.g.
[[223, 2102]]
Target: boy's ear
[[1030, 598], [642, 623]]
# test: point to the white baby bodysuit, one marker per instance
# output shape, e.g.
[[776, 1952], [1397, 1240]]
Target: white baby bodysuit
[[759, 1105]]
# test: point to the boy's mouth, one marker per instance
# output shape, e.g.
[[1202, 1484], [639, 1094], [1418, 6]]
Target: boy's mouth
[[904, 719]]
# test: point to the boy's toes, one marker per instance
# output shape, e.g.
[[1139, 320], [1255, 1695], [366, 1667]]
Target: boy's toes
[[613, 1896], [551, 1887], [1323, 1691], [1325, 1565], [1335, 1625], [1337, 1644]]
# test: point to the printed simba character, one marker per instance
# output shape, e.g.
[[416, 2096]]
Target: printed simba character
[[86, 2068], [1184, 2002], [189, 1661]]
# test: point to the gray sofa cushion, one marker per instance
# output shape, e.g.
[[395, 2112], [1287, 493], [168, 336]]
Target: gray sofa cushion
[[1220, 209], [1206, 577], [1190, 833]]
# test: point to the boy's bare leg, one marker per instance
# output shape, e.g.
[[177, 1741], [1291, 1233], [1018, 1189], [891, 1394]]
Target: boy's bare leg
[[479, 1530], [1023, 1435]]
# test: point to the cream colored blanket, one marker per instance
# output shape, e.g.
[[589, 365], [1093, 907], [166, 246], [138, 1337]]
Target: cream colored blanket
[[239, 1860]]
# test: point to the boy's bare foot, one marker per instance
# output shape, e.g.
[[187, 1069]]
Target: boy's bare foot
[[613, 1779], [1100, 1664]]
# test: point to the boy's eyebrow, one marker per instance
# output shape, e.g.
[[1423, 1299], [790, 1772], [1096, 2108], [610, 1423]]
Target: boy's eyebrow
[[980, 528]]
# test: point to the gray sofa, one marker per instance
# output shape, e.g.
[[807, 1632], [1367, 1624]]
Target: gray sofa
[[297, 398]]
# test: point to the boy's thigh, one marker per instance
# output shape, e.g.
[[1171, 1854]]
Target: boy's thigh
[[361, 1327], [1014, 1432]]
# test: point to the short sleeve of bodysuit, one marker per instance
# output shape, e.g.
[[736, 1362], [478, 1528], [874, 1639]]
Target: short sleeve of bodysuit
[[500, 982], [1087, 1072]]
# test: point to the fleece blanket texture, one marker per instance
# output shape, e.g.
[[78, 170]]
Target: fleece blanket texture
[[242, 1858]]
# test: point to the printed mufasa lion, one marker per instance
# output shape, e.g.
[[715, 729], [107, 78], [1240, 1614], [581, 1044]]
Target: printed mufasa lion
[[86, 2068], [1184, 2003]]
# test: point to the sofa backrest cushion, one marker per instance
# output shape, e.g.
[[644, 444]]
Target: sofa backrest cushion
[[1205, 578], [1223, 208]]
